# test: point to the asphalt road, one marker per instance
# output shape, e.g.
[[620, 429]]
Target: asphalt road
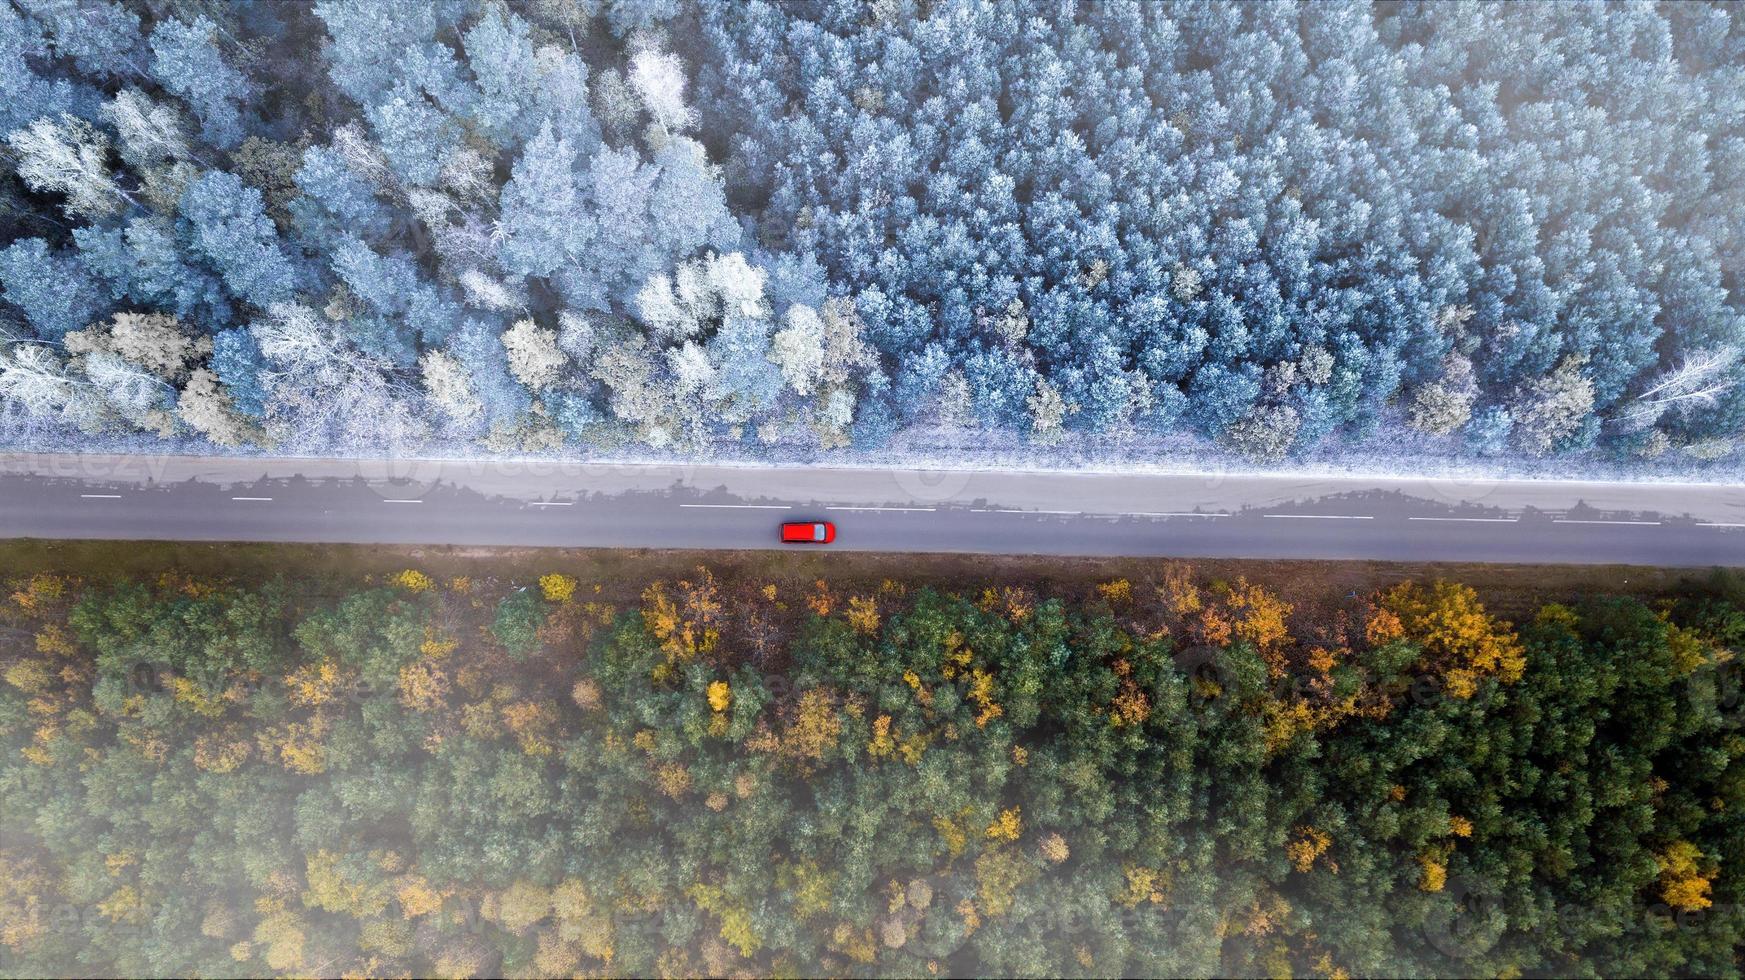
[[990, 512]]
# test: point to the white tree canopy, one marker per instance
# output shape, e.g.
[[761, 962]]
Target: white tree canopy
[[67, 157], [660, 80]]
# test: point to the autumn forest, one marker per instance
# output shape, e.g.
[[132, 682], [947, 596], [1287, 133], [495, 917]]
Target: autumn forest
[[417, 774]]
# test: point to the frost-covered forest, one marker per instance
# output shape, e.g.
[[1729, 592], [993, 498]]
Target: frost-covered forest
[[779, 231], [727, 777]]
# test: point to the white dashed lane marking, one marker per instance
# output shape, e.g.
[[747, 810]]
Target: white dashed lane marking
[[1570, 520], [391, 500], [101, 496], [251, 498], [997, 510], [1325, 517], [1477, 520], [903, 510], [744, 506]]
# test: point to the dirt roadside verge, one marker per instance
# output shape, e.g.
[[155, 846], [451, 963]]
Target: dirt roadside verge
[[1508, 590]]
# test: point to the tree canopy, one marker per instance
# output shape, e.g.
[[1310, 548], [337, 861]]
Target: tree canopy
[[1163, 777], [1509, 229]]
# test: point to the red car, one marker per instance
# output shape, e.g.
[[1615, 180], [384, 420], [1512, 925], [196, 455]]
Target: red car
[[808, 532]]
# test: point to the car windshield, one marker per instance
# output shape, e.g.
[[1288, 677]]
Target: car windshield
[[817, 532]]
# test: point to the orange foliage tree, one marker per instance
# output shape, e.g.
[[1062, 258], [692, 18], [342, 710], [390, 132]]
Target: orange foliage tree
[[1460, 641]]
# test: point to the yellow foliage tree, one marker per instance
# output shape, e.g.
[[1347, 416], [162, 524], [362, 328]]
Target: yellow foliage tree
[[557, 587], [331, 890], [856, 944], [423, 686], [1130, 707], [221, 752], [972, 919], [1460, 641], [1433, 876], [390, 937], [24, 889], [283, 933], [1306, 845], [413, 580], [673, 779], [1000, 872], [122, 905], [30, 676], [1214, 626], [580, 928], [1688, 649], [301, 750], [313, 685], [54, 641], [532, 723], [820, 600], [1685, 876], [981, 692], [416, 896], [461, 958], [1382, 627], [522, 906], [807, 886], [685, 618], [1117, 593], [1259, 618], [196, 697], [42, 592], [1268, 912], [556, 956], [1177, 592], [952, 830], [436, 644], [1008, 825], [736, 925], [1053, 849], [813, 729], [863, 615], [882, 745], [586, 694]]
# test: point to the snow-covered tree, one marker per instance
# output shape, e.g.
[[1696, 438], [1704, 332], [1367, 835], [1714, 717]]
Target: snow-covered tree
[[1444, 405], [659, 79], [798, 349], [233, 233], [534, 356], [34, 378], [1551, 408], [447, 384], [68, 156], [51, 287], [1696, 381], [154, 343], [187, 61], [206, 407], [543, 227], [1048, 411]]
